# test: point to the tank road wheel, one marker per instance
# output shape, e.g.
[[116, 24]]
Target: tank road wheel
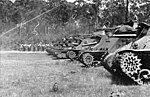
[[71, 54], [88, 59], [130, 65]]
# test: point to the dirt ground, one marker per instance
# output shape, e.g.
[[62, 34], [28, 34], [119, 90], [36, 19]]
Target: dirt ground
[[29, 74]]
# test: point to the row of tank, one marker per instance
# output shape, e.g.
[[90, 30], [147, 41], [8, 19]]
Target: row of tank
[[123, 53], [66, 42]]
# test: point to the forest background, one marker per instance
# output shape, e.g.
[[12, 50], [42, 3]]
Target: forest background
[[34, 21]]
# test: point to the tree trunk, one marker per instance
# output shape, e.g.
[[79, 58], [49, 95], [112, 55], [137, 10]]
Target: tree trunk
[[127, 5]]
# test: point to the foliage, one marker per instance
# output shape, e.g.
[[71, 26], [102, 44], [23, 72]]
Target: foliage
[[111, 10], [61, 17], [141, 8]]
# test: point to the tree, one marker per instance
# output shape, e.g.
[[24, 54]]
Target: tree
[[6, 11], [141, 8]]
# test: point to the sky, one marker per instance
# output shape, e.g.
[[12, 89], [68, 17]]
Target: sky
[[71, 0], [45, 0], [88, 1], [67, 0], [12, 1]]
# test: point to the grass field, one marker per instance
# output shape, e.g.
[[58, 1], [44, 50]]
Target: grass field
[[37, 75]]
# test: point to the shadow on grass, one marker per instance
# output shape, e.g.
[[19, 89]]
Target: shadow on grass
[[83, 66], [49, 54], [115, 79], [122, 80], [55, 57]]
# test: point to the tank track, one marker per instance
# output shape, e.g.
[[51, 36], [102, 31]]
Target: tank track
[[131, 65], [93, 59]]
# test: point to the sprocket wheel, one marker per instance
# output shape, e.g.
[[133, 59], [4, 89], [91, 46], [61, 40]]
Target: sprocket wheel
[[71, 54], [88, 59], [130, 65]]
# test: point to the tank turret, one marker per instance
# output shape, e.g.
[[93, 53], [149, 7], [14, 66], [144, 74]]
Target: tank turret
[[132, 60]]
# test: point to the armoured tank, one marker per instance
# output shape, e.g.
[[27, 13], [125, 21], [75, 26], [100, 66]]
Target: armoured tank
[[66, 42], [108, 44], [71, 52], [86, 43], [132, 60]]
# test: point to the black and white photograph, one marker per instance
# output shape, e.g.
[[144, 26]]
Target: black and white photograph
[[74, 48]]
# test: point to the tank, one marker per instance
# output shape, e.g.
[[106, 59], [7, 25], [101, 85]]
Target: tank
[[71, 51], [108, 44], [63, 43], [132, 60], [86, 44], [66, 42]]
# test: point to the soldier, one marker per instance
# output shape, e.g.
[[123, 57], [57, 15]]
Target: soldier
[[135, 20], [108, 32]]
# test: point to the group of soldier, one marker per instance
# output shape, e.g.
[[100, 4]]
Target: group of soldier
[[65, 42], [33, 47]]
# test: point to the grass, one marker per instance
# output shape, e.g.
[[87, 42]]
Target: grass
[[36, 75]]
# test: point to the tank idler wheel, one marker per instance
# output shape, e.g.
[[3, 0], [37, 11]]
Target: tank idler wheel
[[108, 64], [130, 65], [88, 59], [71, 54], [144, 76]]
